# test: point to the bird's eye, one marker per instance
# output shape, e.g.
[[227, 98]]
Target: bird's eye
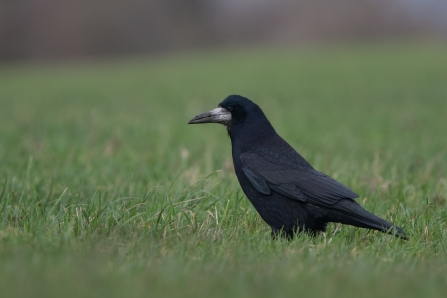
[[230, 109]]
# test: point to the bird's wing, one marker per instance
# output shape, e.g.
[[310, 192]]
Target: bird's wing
[[287, 173]]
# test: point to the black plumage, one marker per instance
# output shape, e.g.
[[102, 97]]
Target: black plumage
[[288, 193]]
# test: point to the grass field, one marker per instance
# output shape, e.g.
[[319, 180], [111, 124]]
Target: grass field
[[105, 191]]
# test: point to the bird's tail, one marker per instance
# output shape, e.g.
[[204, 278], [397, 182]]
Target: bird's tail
[[353, 214]]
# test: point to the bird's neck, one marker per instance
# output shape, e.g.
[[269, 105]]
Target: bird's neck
[[249, 133]]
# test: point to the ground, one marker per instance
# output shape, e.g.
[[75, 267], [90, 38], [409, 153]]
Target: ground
[[105, 191]]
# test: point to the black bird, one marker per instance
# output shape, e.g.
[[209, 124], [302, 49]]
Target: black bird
[[289, 194]]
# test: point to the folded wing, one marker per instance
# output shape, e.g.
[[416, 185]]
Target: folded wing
[[287, 173]]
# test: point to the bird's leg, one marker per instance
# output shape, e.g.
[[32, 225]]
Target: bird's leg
[[280, 233]]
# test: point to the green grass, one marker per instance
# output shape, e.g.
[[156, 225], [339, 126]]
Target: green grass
[[105, 191]]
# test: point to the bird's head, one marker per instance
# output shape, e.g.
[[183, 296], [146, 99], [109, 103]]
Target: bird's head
[[237, 113], [234, 108]]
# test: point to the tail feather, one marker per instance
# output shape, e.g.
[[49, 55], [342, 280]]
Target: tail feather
[[352, 213]]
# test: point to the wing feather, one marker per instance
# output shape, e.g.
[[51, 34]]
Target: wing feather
[[284, 171]]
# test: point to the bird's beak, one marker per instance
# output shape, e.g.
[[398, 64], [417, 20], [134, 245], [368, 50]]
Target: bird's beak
[[219, 115]]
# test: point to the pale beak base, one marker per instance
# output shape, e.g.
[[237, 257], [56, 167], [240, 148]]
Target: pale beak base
[[219, 115]]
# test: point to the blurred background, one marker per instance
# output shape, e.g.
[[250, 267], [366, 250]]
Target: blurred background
[[53, 29], [104, 188]]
